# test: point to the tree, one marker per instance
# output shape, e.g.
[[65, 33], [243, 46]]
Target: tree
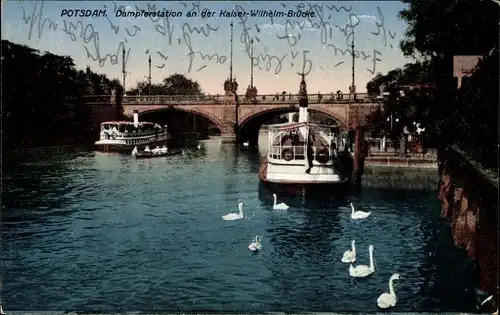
[[444, 28], [44, 94], [178, 84], [475, 115], [143, 89], [406, 99], [439, 30]]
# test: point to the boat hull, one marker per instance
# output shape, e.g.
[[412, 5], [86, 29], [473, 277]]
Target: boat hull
[[122, 147], [300, 185]]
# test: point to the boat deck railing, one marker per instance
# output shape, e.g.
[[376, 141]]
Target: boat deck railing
[[132, 134], [298, 152]]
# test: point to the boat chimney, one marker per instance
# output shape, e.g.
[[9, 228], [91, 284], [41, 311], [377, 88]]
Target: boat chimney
[[136, 117], [303, 100]]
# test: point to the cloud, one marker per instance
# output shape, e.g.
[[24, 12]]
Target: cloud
[[356, 19], [130, 8], [367, 17], [295, 26]]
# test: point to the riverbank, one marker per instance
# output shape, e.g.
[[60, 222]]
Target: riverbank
[[400, 177]]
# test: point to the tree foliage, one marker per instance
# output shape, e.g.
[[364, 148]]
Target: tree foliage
[[176, 84], [437, 31], [443, 28], [474, 120], [42, 93]]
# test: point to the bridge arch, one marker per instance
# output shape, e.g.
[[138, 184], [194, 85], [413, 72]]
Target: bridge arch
[[250, 124], [207, 115]]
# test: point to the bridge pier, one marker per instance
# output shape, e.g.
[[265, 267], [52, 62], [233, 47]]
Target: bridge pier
[[229, 128], [229, 133]]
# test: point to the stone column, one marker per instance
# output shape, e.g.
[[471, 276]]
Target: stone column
[[229, 132]]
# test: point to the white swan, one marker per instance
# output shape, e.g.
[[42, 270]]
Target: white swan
[[363, 270], [134, 151], [256, 244], [359, 214], [199, 146], [386, 300], [350, 255], [235, 216], [280, 206], [1, 310], [246, 144]]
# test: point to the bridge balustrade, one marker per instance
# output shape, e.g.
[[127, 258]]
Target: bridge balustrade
[[331, 98]]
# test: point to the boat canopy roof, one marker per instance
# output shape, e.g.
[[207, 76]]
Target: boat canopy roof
[[128, 123], [296, 125]]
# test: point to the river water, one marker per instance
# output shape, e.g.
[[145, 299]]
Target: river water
[[85, 231]]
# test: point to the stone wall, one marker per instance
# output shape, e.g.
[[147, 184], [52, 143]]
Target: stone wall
[[358, 113], [469, 200]]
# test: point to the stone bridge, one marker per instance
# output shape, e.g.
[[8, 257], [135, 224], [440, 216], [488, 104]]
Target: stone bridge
[[241, 118]]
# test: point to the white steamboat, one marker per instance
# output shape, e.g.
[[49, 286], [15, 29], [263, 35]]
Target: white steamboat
[[123, 136], [303, 154]]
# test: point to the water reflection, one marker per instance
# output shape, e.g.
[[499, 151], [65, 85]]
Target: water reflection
[[33, 191]]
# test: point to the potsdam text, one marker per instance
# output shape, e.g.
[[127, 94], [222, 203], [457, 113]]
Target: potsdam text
[[83, 13]]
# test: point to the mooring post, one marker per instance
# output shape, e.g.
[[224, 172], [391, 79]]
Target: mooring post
[[359, 157]]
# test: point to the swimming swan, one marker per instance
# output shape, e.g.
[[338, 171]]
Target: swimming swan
[[280, 206], [386, 300], [350, 255], [235, 216], [363, 270], [359, 214], [256, 244], [199, 146], [246, 144]]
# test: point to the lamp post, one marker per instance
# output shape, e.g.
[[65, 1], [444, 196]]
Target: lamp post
[[391, 120], [149, 77]]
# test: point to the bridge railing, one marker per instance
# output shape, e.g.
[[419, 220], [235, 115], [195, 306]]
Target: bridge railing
[[330, 98]]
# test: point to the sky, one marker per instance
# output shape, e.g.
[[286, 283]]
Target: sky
[[200, 47]]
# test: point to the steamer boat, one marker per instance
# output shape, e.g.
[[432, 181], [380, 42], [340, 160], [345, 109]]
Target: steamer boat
[[305, 155], [123, 136]]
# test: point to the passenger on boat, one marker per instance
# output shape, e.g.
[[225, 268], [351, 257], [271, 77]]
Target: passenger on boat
[[334, 148], [147, 149], [164, 149], [310, 154], [156, 150], [295, 138]]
